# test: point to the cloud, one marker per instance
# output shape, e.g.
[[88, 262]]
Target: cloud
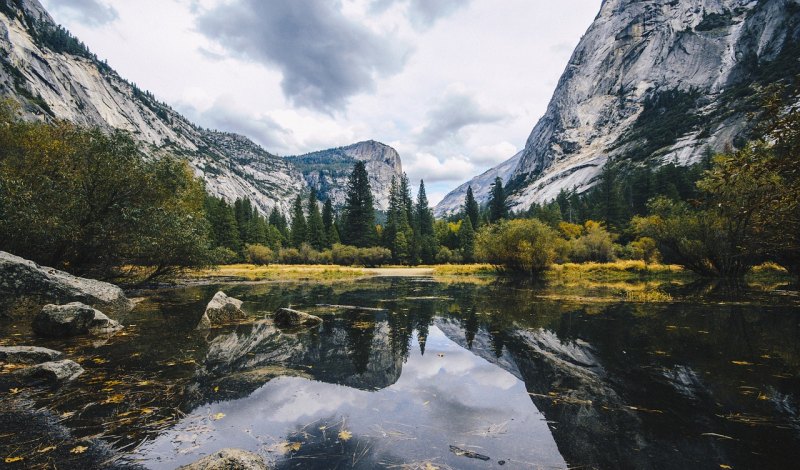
[[493, 154], [225, 115], [325, 57], [88, 12], [431, 169], [456, 110], [422, 14]]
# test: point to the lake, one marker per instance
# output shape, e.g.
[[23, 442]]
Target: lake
[[416, 373]]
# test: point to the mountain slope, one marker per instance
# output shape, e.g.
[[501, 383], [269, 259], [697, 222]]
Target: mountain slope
[[481, 187], [653, 82], [54, 76], [328, 171]]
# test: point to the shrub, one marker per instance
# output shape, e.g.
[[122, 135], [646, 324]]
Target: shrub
[[344, 255], [223, 255], [447, 256], [258, 254], [596, 244], [290, 256], [376, 256], [522, 246]]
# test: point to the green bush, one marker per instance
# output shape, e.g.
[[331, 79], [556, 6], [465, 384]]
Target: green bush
[[596, 244], [223, 255], [521, 246], [258, 254]]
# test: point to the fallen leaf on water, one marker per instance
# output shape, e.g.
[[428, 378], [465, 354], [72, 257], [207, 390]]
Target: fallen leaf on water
[[118, 398], [218, 416], [47, 449], [216, 389], [99, 360], [286, 447], [727, 467], [147, 411], [79, 450], [345, 435], [14, 391], [430, 466], [441, 354], [426, 403], [742, 363], [14, 459]]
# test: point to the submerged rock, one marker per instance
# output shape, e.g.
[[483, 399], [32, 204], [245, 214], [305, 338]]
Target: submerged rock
[[102, 325], [221, 309], [25, 287], [288, 317], [28, 354], [51, 373], [58, 321], [229, 459]]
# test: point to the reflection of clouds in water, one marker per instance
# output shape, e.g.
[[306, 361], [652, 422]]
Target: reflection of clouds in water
[[438, 401], [289, 401]]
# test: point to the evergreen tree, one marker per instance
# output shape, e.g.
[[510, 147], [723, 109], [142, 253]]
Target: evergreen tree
[[316, 230], [277, 220], [328, 224], [466, 237], [423, 217], [358, 228], [498, 207], [299, 233], [398, 236], [471, 208], [222, 224]]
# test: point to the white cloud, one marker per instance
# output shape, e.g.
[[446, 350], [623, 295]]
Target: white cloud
[[430, 168], [493, 154]]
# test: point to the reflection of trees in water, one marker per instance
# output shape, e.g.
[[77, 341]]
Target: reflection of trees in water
[[360, 334]]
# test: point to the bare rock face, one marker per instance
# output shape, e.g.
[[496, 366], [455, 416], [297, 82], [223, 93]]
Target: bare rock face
[[229, 459], [28, 354], [51, 373], [653, 82], [25, 287], [221, 309], [287, 317]]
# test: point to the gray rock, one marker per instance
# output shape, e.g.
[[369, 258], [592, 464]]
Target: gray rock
[[25, 287], [59, 321], [102, 325], [288, 317], [51, 373], [229, 459], [28, 354], [221, 309]]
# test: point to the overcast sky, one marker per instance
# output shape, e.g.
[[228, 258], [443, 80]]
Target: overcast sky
[[454, 85]]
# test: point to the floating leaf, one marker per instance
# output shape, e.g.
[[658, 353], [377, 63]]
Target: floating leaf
[[216, 389], [742, 363], [218, 416], [726, 467], [345, 435], [47, 449], [14, 391], [118, 398], [79, 450], [14, 459], [99, 360]]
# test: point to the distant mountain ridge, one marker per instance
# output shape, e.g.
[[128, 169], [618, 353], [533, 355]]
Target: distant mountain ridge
[[653, 82], [52, 75]]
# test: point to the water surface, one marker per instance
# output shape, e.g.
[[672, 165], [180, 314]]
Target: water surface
[[453, 375]]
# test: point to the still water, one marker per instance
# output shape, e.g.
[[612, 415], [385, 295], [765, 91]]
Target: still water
[[412, 373]]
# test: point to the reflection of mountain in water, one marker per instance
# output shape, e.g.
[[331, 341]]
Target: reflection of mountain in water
[[360, 356]]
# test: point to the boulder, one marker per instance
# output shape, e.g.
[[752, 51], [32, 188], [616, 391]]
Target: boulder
[[25, 287], [221, 309], [287, 317], [51, 373], [28, 354], [229, 459], [102, 325], [59, 321]]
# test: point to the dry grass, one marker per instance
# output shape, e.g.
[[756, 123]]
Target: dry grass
[[464, 270], [279, 272], [615, 271]]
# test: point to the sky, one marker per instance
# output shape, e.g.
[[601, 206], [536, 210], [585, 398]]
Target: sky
[[454, 85]]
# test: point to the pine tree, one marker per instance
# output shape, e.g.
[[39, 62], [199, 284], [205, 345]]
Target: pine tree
[[466, 238], [423, 224], [358, 228], [498, 208], [316, 230], [299, 233], [328, 224], [222, 223], [471, 208]]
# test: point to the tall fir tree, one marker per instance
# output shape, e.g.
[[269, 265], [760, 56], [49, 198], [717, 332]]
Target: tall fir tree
[[358, 225], [466, 238], [299, 234], [471, 208], [423, 225], [498, 207], [222, 224], [316, 229], [328, 224], [278, 220], [398, 235]]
